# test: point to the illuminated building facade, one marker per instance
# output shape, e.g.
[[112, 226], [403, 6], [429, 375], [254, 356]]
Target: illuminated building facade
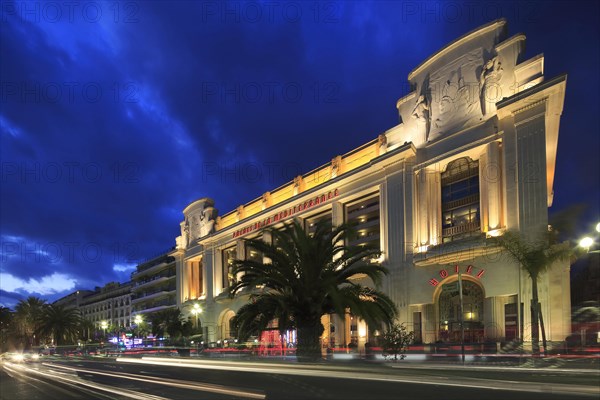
[[473, 155], [153, 285], [110, 303]]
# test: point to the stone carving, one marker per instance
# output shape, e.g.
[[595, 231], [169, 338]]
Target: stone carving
[[489, 85], [336, 166], [184, 240], [207, 221], [381, 144], [456, 99], [266, 200], [239, 212], [455, 94], [421, 114], [298, 185], [200, 220]]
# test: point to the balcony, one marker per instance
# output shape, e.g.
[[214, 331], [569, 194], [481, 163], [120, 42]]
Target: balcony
[[152, 281], [472, 199], [151, 295], [461, 229], [156, 307]]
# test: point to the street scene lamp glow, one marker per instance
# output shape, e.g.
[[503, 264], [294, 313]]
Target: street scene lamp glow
[[138, 319], [598, 227], [104, 324], [586, 242]]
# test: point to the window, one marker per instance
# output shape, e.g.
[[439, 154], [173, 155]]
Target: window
[[364, 215], [253, 255], [310, 223], [460, 199], [228, 256]]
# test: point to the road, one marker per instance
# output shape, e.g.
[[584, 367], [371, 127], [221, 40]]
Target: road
[[180, 378]]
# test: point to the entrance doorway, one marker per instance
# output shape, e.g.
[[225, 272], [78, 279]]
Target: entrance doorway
[[449, 312]]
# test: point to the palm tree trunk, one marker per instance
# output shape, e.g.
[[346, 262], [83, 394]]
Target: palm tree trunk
[[535, 328], [309, 343], [544, 344]]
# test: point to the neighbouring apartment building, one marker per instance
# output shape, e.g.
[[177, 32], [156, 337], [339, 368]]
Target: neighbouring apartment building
[[473, 156], [153, 285], [110, 303]]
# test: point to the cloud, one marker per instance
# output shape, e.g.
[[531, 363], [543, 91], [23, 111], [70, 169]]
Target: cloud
[[47, 285], [124, 267]]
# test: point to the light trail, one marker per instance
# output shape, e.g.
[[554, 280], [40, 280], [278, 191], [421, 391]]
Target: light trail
[[78, 383], [472, 383], [230, 391]]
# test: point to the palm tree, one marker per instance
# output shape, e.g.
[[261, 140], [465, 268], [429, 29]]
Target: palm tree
[[170, 322], [87, 328], [60, 323], [27, 315], [308, 276], [535, 257]]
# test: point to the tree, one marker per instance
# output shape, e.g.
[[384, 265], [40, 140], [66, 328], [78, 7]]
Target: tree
[[395, 341], [61, 323], [306, 277], [26, 319], [172, 323], [6, 318], [87, 329], [535, 257]]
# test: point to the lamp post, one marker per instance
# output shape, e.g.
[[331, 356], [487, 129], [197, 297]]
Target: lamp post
[[196, 309], [104, 325], [138, 321]]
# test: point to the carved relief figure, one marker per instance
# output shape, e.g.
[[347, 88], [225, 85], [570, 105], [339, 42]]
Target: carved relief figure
[[297, 185], [184, 239], [266, 197], [382, 144], [489, 89], [194, 227], [207, 221], [336, 166], [421, 114], [458, 100]]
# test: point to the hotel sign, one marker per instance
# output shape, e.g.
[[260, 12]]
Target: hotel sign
[[287, 213], [468, 270]]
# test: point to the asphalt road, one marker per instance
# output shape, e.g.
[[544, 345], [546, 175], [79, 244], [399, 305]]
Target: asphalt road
[[174, 378]]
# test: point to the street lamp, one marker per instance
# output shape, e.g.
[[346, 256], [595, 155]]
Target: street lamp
[[104, 325], [588, 241], [138, 321], [196, 309]]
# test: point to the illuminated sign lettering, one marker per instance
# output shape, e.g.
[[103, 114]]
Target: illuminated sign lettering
[[287, 213], [468, 270]]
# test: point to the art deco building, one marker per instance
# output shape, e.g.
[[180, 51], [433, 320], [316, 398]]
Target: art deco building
[[473, 156]]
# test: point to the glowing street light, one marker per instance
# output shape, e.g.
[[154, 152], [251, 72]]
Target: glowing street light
[[138, 319], [196, 310], [104, 325], [586, 242]]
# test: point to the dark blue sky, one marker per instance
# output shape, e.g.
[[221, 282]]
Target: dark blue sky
[[116, 115]]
